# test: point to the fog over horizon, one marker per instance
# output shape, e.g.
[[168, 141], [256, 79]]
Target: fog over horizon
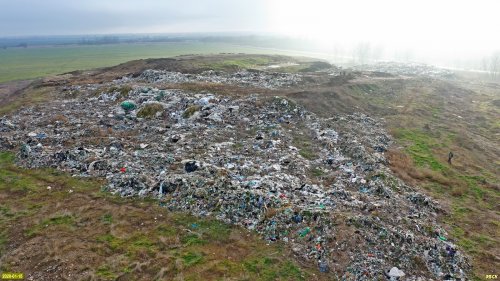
[[428, 31]]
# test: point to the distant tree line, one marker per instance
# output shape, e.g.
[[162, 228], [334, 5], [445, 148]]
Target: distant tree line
[[20, 45], [108, 39], [491, 64], [364, 52]]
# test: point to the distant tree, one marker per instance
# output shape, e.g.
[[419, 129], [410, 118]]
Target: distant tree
[[485, 64], [408, 55], [378, 53], [495, 65], [361, 53], [83, 41], [336, 52]]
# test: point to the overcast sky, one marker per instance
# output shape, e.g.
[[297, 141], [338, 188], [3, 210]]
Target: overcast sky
[[68, 17], [460, 26]]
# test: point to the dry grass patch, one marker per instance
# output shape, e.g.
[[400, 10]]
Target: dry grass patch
[[150, 110]]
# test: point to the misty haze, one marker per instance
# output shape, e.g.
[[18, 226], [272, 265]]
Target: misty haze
[[249, 140]]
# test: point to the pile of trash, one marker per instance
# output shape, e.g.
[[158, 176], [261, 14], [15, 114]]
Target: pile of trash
[[319, 185], [253, 78], [407, 69]]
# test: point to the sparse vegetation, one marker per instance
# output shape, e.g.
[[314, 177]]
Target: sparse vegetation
[[304, 67], [307, 153], [149, 110], [107, 218], [191, 258], [237, 64], [65, 220], [317, 172], [303, 142], [105, 273], [190, 111], [28, 97], [122, 90], [420, 148]]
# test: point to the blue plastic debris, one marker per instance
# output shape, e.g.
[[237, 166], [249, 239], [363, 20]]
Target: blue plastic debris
[[41, 136], [363, 189], [323, 267], [297, 218]]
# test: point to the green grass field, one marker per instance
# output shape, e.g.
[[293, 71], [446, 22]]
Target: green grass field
[[34, 62]]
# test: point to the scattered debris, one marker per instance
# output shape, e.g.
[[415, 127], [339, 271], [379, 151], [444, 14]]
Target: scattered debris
[[320, 185], [254, 78], [406, 69]]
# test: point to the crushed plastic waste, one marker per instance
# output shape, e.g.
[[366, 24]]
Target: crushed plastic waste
[[128, 105], [395, 273], [191, 166], [320, 185], [254, 78], [323, 267]]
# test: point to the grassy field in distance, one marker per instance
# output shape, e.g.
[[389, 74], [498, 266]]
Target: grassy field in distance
[[34, 62]]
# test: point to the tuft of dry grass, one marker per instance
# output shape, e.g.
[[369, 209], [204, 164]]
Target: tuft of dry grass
[[149, 110], [59, 118], [190, 111]]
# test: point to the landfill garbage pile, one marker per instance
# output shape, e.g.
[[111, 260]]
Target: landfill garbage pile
[[407, 69], [254, 78], [319, 185]]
